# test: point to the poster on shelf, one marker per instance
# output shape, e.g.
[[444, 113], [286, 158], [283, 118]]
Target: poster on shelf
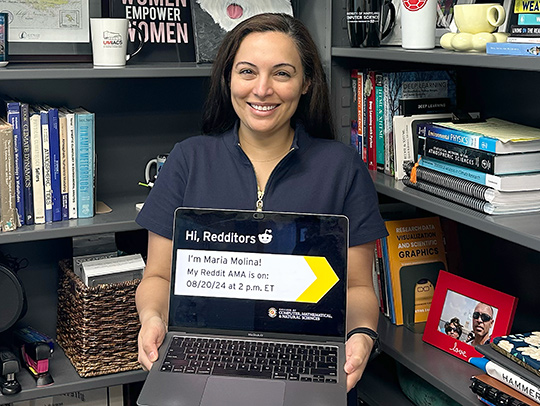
[[167, 28]]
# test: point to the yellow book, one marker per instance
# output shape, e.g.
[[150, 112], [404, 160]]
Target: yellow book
[[416, 254], [526, 6]]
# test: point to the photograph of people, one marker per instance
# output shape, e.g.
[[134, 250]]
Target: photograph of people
[[453, 328], [478, 318], [267, 145], [482, 322]]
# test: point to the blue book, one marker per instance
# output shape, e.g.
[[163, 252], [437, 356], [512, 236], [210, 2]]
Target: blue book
[[512, 48], [54, 151], [85, 151], [27, 165], [44, 122], [494, 135], [503, 183], [529, 19], [13, 116]]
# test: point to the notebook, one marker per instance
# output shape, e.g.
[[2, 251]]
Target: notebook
[[257, 311]]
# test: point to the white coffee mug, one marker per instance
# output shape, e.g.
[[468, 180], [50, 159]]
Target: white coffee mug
[[110, 39], [158, 162], [418, 19]]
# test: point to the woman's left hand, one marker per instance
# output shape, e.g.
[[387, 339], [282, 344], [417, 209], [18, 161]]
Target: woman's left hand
[[357, 352]]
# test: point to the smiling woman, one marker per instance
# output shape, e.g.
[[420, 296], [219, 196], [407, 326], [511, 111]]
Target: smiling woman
[[268, 146]]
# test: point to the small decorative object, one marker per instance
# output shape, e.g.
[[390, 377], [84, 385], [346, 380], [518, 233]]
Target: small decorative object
[[464, 314], [476, 24]]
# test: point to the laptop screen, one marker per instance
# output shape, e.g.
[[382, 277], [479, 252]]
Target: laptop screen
[[260, 272]]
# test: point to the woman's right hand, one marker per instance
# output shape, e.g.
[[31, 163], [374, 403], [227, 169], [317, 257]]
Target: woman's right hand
[[151, 336]]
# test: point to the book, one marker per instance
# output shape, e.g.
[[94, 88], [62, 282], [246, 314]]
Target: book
[[524, 40], [213, 19], [85, 150], [36, 148], [354, 109], [403, 85], [526, 6], [9, 219], [505, 183], [509, 48], [54, 151], [477, 159], [450, 195], [522, 348], [405, 140], [507, 377], [474, 189], [432, 105], [27, 165], [493, 135], [357, 112], [525, 30], [13, 116], [167, 28], [490, 353], [379, 120], [528, 19], [46, 154], [64, 165], [493, 392], [71, 162], [416, 254], [369, 94]]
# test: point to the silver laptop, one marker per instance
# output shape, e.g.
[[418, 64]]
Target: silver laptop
[[257, 311]]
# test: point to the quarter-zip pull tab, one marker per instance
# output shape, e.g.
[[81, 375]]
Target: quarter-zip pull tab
[[259, 203]]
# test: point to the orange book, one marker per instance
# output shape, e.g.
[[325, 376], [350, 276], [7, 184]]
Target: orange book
[[416, 254]]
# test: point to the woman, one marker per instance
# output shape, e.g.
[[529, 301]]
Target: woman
[[270, 148]]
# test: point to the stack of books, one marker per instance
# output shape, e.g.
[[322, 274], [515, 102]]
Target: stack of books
[[510, 370], [48, 173], [524, 36], [491, 166]]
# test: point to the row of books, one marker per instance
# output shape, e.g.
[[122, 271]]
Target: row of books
[[48, 166], [510, 370], [406, 267], [492, 166], [524, 39], [379, 97]]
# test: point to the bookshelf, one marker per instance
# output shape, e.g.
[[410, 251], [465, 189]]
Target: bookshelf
[[143, 109]]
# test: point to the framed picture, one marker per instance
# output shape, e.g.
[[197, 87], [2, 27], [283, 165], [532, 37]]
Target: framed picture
[[51, 32], [465, 313], [445, 22]]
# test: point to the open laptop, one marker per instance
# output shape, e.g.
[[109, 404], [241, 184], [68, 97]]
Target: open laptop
[[257, 311]]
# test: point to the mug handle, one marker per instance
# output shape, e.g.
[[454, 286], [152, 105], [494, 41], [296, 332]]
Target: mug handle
[[392, 22], [148, 169], [140, 35], [496, 15]]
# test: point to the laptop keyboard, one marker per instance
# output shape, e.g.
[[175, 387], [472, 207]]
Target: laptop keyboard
[[267, 360]]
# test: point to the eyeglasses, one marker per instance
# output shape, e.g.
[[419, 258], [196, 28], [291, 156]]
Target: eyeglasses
[[485, 317], [452, 330]]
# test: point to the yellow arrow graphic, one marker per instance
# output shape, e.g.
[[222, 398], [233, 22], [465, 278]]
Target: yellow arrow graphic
[[325, 279]]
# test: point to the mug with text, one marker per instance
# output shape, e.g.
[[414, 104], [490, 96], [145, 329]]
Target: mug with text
[[158, 162], [110, 40], [369, 21], [418, 18]]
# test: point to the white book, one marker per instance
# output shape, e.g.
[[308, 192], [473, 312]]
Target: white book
[[47, 186], [404, 139], [36, 151]]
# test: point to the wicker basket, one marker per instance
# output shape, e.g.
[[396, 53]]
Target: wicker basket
[[97, 326]]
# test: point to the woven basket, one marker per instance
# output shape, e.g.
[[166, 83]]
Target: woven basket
[[97, 326]]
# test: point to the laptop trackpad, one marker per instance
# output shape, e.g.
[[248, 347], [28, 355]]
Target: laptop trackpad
[[242, 392]]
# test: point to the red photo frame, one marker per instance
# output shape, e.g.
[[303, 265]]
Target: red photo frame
[[464, 313]]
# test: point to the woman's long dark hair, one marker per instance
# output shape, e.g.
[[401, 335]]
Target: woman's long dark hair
[[314, 107]]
